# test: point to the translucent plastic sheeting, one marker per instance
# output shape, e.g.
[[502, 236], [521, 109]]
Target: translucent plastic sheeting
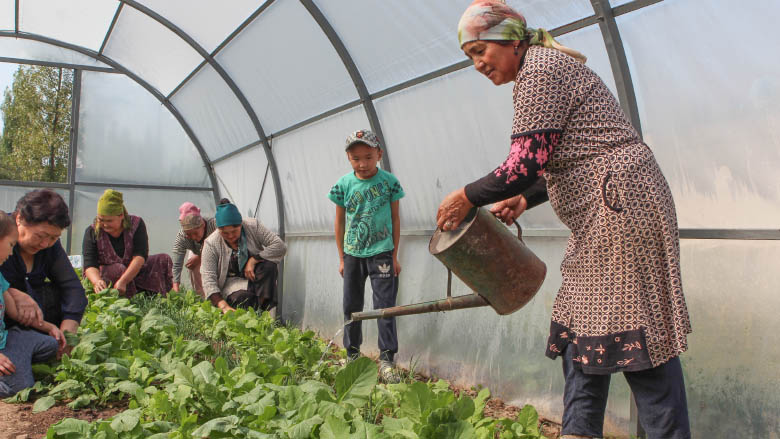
[[463, 135], [206, 21], [241, 178], [709, 107], [214, 113], [287, 68], [392, 42], [311, 160], [267, 212], [467, 347], [150, 50], [80, 22], [589, 41], [9, 195], [731, 369], [127, 136], [158, 208], [7, 14], [36, 51]]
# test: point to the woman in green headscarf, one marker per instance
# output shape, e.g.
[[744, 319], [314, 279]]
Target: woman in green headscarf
[[620, 307], [116, 251], [238, 264]]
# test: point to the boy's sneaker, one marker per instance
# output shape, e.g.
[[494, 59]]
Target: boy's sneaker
[[387, 373], [350, 358]]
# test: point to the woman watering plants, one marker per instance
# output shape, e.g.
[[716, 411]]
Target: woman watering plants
[[194, 231], [620, 307], [42, 281], [239, 263], [116, 251]]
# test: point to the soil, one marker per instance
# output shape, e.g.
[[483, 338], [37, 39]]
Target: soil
[[19, 422]]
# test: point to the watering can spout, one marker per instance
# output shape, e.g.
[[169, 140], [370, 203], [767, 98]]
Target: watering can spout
[[448, 304], [487, 257]]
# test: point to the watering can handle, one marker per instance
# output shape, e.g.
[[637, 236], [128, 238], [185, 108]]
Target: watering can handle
[[519, 230]]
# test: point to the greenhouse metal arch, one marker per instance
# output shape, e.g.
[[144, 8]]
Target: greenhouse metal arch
[[381, 95]]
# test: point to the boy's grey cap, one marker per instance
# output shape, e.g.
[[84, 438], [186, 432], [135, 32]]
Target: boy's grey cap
[[362, 136]]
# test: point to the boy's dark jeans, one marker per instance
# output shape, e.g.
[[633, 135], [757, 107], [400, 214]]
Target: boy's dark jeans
[[379, 269]]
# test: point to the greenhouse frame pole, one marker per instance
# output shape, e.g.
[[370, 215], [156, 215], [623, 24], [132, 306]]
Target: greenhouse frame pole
[[156, 93], [236, 91], [74, 134], [354, 73], [618, 61], [222, 45]]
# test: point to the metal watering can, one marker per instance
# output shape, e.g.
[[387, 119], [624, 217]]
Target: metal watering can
[[488, 258]]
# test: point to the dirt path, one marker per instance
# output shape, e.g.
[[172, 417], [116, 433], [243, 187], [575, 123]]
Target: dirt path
[[19, 422]]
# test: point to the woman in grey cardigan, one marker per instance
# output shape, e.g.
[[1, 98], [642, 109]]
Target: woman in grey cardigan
[[194, 231], [238, 264]]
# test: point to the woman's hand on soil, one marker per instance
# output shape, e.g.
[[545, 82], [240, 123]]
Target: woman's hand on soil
[[6, 366], [510, 209], [452, 210]]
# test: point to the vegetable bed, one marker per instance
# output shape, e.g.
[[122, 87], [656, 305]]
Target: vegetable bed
[[187, 371]]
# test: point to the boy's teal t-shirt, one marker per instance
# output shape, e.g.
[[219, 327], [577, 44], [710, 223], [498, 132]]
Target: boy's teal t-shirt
[[369, 223], [3, 332]]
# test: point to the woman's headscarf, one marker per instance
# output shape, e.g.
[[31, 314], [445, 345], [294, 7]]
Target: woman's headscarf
[[189, 216], [228, 215], [112, 203], [493, 20]]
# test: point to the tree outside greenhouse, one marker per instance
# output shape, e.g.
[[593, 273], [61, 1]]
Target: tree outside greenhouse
[[36, 112]]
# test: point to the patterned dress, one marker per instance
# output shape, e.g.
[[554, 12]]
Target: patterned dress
[[155, 275], [620, 302]]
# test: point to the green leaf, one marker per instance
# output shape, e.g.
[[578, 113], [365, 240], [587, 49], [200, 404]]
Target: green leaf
[[126, 421], [82, 401], [204, 372], [193, 347], [355, 382], [217, 425], [463, 407], [529, 419], [334, 428], [479, 404], [43, 404], [72, 428], [416, 401], [304, 429], [400, 428]]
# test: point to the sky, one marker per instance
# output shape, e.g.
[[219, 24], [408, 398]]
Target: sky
[[6, 76]]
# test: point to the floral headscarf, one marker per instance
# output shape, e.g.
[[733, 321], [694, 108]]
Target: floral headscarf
[[493, 20]]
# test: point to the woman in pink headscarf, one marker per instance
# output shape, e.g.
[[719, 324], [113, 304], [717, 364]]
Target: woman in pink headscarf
[[194, 230], [620, 307]]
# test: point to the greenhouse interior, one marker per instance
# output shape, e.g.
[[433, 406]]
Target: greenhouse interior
[[169, 101]]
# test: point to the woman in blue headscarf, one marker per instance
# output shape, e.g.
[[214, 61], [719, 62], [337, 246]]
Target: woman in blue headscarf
[[238, 264]]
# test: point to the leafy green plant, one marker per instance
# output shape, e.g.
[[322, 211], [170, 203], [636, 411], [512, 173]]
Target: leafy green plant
[[185, 370]]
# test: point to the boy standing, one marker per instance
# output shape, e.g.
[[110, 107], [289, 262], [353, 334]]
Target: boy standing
[[368, 229]]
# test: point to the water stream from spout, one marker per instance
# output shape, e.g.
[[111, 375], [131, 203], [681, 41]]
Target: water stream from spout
[[327, 348]]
